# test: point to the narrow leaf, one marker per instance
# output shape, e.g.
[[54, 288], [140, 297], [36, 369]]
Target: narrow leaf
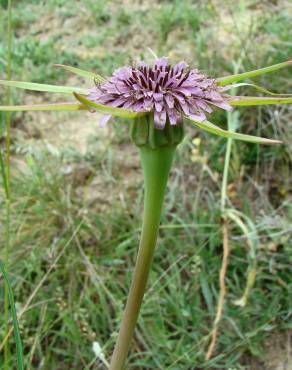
[[241, 76], [254, 100], [257, 87], [14, 319], [42, 107], [3, 174], [43, 87], [207, 293], [118, 112], [210, 127], [81, 72]]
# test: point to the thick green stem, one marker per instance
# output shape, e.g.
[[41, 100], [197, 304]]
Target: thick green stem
[[156, 165]]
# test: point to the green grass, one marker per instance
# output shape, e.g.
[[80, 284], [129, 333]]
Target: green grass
[[84, 208]]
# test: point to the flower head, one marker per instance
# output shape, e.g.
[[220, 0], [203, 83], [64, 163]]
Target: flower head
[[169, 92]]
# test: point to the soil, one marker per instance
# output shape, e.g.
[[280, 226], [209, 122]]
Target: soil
[[277, 353]]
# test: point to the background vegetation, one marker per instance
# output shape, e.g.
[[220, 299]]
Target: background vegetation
[[77, 192]]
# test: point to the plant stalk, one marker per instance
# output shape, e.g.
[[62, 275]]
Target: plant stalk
[[156, 164], [231, 118]]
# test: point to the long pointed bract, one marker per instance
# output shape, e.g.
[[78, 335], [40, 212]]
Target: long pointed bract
[[257, 72], [257, 87], [254, 100], [81, 72], [106, 109], [43, 107], [210, 127], [43, 87]]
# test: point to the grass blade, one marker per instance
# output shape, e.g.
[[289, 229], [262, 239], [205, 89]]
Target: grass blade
[[210, 127], [3, 174], [6, 178], [254, 100], [250, 232], [19, 352], [43, 87], [257, 72], [43, 107], [118, 112], [81, 72]]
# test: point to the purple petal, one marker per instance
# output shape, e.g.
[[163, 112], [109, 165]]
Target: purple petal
[[201, 104], [169, 100], [148, 104], [161, 62], [118, 102], [179, 97], [158, 96], [129, 103], [172, 115], [222, 105], [138, 106], [159, 119], [178, 68], [185, 107], [200, 116], [184, 90], [104, 120], [158, 106], [170, 82]]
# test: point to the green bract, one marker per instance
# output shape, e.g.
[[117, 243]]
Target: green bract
[[43, 87], [257, 72], [118, 112], [81, 72], [210, 127]]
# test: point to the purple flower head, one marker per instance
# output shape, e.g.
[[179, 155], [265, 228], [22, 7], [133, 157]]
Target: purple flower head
[[169, 92]]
